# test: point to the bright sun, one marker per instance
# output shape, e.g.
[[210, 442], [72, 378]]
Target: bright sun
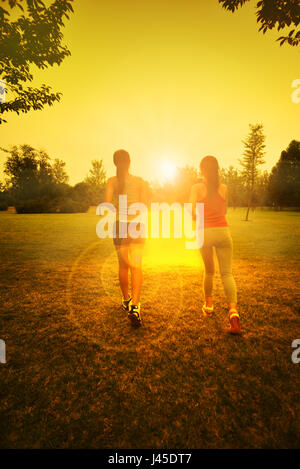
[[168, 170]]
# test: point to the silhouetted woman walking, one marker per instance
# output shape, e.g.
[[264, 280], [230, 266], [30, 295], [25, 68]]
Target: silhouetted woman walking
[[214, 196], [129, 249]]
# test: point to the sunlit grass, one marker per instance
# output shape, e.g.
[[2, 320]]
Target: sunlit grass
[[79, 376]]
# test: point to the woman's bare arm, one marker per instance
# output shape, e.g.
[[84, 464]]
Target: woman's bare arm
[[193, 200]]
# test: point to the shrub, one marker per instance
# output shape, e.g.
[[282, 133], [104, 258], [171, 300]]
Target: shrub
[[71, 206], [3, 206], [46, 205], [32, 206]]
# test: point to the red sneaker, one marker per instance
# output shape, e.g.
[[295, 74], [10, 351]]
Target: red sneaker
[[234, 320]]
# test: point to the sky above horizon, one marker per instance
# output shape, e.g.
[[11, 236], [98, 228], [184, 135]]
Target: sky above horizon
[[167, 81]]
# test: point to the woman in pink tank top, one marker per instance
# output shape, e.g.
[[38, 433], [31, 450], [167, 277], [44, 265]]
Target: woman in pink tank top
[[217, 237]]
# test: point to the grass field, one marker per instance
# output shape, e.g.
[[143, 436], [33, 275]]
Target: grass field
[[77, 375]]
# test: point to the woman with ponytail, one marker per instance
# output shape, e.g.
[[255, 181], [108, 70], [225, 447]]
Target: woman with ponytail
[[214, 196], [129, 250]]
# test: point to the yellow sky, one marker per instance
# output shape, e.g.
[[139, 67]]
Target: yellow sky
[[164, 79]]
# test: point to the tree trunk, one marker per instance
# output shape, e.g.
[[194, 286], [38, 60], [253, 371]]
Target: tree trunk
[[249, 205], [247, 214]]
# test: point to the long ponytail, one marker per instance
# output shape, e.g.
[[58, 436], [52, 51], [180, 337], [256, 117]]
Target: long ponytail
[[210, 169], [122, 162]]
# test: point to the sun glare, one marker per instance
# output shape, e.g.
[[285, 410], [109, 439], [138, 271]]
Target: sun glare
[[168, 170]]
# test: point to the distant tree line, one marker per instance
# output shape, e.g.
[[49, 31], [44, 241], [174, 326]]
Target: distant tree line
[[35, 183], [179, 190], [247, 186]]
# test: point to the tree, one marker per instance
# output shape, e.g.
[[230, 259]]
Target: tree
[[96, 180], [97, 174], [28, 171], [272, 14], [253, 157], [3, 197], [33, 38], [236, 188], [284, 184], [81, 192], [30, 174], [261, 191], [35, 184], [185, 178], [177, 190], [59, 172]]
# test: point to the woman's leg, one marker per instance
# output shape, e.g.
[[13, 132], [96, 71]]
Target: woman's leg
[[122, 252], [224, 250], [135, 262], [224, 253], [208, 259]]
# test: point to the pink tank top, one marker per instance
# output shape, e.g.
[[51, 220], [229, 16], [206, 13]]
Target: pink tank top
[[214, 210]]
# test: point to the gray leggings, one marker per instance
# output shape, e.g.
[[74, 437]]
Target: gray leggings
[[220, 239]]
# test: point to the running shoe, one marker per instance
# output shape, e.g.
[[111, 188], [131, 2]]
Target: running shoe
[[234, 320], [135, 315], [207, 309], [126, 304]]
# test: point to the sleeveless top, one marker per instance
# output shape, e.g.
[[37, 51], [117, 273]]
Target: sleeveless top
[[132, 189], [214, 210]]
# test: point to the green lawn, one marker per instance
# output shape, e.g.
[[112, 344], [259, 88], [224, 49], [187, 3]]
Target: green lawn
[[77, 375]]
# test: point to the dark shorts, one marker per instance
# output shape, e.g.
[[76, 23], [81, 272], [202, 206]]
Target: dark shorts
[[118, 241]]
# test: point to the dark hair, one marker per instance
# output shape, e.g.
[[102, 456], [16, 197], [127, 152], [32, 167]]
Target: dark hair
[[210, 169], [122, 162]]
